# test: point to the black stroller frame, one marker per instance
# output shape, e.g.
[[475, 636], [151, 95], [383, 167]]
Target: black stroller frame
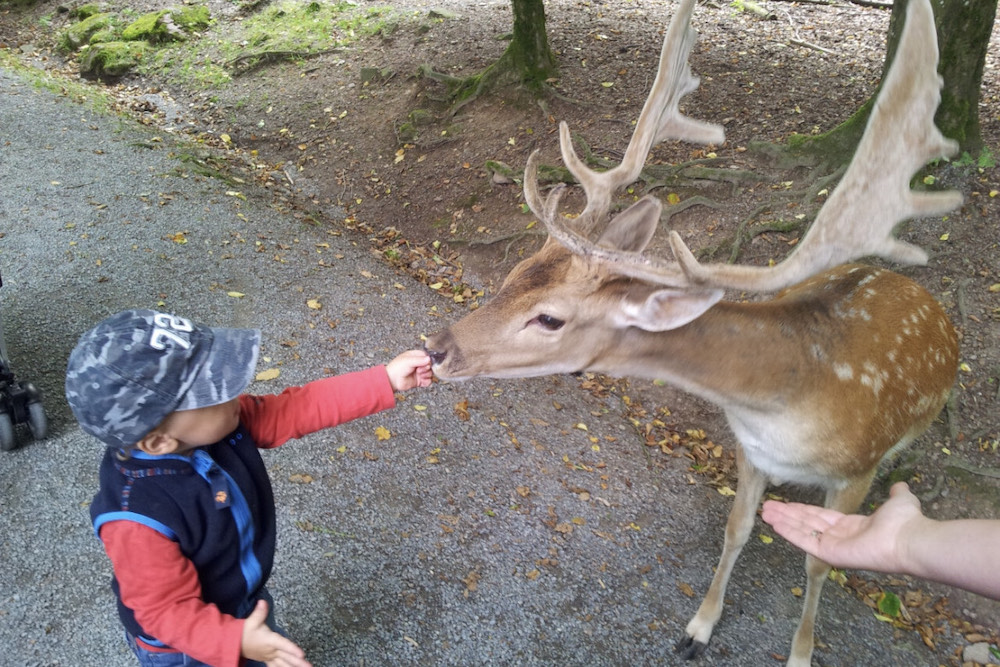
[[20, 402]]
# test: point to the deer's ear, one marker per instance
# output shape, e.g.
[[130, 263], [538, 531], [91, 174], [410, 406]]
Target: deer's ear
[[665, 309], [632, 229]]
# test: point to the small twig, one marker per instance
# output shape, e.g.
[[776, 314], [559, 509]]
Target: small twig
[[808, 45], [993, 473], [512, 237], [872, 3], [963, 310]]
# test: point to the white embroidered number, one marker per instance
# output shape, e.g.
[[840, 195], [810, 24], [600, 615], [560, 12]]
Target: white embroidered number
[[166, 328]]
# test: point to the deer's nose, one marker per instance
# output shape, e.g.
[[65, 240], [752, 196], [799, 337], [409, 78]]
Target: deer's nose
[[437, 356]]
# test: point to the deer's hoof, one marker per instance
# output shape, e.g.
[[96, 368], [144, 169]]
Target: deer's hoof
[[689, 648]]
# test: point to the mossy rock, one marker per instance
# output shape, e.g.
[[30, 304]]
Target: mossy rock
[[421, 117], [111, 59], [80, 33], [88, 10], [148, 27], [192, 18], [167, 24]]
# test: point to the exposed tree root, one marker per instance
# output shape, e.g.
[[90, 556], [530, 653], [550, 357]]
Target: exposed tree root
[[463, 90], [248, 62], [511, 239]]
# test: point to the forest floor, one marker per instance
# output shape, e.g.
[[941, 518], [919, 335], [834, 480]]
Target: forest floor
[[330, 134]]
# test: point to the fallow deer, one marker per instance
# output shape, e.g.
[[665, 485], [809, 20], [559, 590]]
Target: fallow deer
[[818, 384]]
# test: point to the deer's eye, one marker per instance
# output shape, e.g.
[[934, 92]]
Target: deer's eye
[[549, 322]]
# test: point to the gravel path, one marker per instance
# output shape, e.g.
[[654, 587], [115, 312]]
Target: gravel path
[[502, 539]]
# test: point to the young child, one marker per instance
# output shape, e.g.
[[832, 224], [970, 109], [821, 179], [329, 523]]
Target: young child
[[185, 508]]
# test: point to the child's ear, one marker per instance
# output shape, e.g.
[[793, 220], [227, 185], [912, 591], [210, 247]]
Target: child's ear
[[158, 443]]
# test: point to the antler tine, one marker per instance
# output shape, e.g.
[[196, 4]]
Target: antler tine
[[874, 195], [660, 119], [630, 264], [547, 209]]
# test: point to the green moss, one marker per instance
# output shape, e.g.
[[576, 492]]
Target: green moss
[[191, 19], [87, 10], [111, 58], [80, 33], [148, 27]]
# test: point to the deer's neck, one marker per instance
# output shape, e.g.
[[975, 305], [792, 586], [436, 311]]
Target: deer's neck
[[735, 354]]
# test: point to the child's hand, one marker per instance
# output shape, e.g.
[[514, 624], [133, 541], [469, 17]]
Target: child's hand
[[410, 369], [263, 644]]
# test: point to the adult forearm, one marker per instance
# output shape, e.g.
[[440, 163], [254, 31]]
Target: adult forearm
[[960, 553]]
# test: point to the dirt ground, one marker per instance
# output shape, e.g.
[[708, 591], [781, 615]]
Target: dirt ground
[[330, 144]]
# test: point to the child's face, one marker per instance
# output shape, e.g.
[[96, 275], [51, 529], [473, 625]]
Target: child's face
[[202, 426]]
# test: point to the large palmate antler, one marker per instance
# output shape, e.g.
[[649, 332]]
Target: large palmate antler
[[856, 221], [660, 119]]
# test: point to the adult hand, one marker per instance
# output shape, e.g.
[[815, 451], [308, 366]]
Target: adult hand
[[875, 542]]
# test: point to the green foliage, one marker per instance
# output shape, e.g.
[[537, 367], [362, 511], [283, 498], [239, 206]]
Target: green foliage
[[985, 160], [889, 604]]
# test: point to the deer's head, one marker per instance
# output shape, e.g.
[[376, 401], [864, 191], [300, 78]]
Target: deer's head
[[559, 311]]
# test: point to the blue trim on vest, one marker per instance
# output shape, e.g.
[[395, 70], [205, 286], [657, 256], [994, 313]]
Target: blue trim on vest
[[143, 456], [161, 528], [207, 468]]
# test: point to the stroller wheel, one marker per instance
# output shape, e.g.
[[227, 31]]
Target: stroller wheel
[[7, 441], [38, 423]]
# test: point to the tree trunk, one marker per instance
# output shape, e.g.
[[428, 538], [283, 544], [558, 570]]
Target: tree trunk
[[529, 50]]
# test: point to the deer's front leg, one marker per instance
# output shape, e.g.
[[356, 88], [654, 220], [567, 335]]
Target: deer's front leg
[[846, 500], [749, 491]]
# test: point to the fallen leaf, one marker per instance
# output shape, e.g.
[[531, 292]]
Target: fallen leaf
[[269, 374], [314, 304], [382, 433], [686, 589], [726, 491], [236, 295], [766, 539], [300, 478]]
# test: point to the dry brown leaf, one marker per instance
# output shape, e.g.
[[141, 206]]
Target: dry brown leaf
[[269, 374]]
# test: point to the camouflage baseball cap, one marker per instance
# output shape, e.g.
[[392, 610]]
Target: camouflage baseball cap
[[133, 369]]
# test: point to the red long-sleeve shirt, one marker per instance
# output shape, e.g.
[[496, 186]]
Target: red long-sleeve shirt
[[161, 585]]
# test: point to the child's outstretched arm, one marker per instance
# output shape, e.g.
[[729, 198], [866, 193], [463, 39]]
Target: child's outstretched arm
[[896, 538], [263, 644], [410, 369]]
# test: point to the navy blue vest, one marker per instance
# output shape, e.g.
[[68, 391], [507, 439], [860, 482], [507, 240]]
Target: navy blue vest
[[217, 504]]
